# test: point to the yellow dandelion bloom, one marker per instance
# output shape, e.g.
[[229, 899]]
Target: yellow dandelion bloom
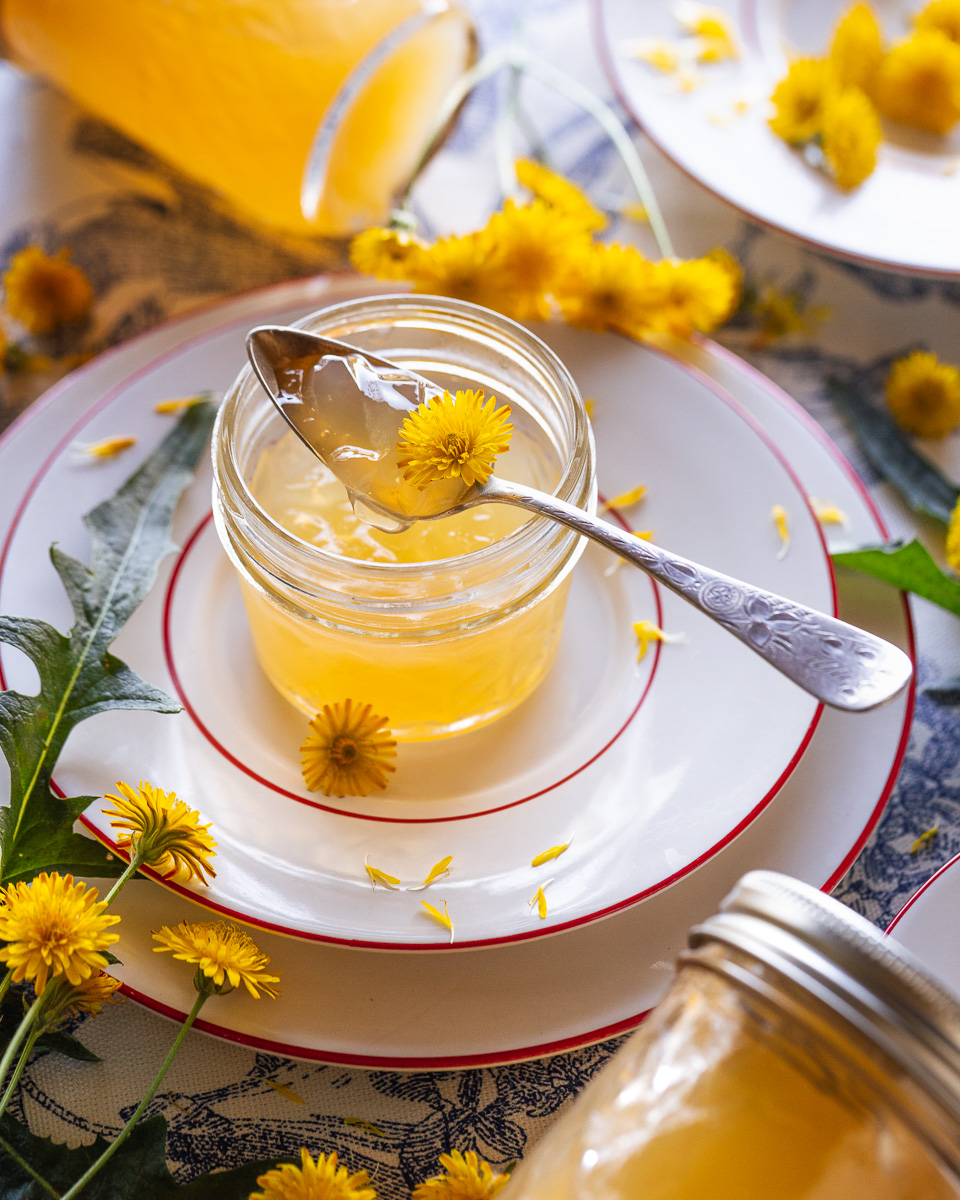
[[851, 134], [559, 193], [53, 926], [943, 15], [857, 47], [162, 831], [781, 313], [798, 99], [953, 539], [64, 999], [919, 82], [224, 955], [347, 751], [465, 1177], [386, 253], [924, 394], [698, 293], [610, 287], [320, 1180], [453, 437], [45, 291], [466, 268], [533, 246]]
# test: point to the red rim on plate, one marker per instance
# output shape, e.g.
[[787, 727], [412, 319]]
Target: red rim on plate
[[920, 891]]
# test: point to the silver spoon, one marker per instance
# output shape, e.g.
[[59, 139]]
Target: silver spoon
[[837, 663]]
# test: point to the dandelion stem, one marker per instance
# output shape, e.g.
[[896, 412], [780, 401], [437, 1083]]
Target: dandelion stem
[[15, 1077], [125, 1132], [611, 125], [5, 984], [16, 1041], [132, 868], [28, 1170], [503, 136]]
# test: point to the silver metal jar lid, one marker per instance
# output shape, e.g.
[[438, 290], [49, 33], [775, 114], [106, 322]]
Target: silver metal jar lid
[[868, 980]]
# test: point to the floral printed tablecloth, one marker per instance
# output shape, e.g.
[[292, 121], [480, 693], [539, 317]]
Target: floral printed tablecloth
[[153, 245]]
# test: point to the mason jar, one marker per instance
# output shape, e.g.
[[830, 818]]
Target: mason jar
[[798, 1055], [437, 647]]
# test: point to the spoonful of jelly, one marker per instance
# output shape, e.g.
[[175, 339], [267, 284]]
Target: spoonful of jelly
[[407, 451]]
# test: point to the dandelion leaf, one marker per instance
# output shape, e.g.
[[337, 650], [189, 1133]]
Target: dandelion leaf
[[79, 677], [909, 566]]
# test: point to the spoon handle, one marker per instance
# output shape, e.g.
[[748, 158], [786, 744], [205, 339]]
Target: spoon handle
[[841, 665]]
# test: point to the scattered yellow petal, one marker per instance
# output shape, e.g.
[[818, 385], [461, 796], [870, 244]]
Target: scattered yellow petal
[[924, 840], [646, 633], [547, 855], [287, 1092], [645, 535], [378, 876], [660, 53], [166, 407], [712, 26], [108, 448], [828, 514], [721, 120], [636, 212], [365, 1125], [590, 405], [625, 499], [741, 107], [778, 514], [540, 900], [439, 870], [442, 917], [687, 80]]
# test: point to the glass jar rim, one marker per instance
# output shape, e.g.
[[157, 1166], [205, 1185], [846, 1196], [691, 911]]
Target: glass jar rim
[[576, 483]]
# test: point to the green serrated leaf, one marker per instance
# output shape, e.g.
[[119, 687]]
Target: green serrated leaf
[[79, 677], [908, 566], [893, 455], [67, 1045]]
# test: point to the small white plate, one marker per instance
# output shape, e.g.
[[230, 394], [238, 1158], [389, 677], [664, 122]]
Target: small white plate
[[651, 768], [902, 218], [926, 923]]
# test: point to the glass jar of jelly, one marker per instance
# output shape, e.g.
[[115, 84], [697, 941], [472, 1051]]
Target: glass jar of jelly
[[798, 1055], [452, 623]]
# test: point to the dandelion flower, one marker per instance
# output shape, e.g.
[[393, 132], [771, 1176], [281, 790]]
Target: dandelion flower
[[163, 832], [45, 291], [610, 287], [453, 437], [64, 999], [533, 246], [465, 1177], [465, 268], [386, 253], [919, 82], [731, 264], [798, 99], [943, 15], [224, 955], [953, 539], [851, 135], [924, 394], [347, 751], [780, 313], [698, 293], [559, 193], [54, 926], [320, 1180], [857, 47]]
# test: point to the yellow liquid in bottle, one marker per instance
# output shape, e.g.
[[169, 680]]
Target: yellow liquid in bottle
[[722, 1110], [232, 91], [429, 683]]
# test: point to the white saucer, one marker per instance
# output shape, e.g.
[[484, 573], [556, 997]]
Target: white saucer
[[926, 922], [651, 768], [738, 158], [522, 1001]]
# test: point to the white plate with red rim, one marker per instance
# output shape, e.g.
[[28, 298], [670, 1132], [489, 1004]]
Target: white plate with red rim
[[650, 767], [903, 217], [926, 922]]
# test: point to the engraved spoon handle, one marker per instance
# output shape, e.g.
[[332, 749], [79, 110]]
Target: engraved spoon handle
[[841, 665]]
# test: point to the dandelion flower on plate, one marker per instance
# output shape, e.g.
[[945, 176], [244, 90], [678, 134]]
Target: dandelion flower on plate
[[857, 47], [919, 82], [53, 926], [464, 267], [560, 194], [940, 14], [453, 437], [924, 394], [386, 253], [953, 539], [162, 831], [798, 99], [850, 136], [46, 291], [320, 1180], [347, 751], [533, 245], [465, 1177], [224, 956], [698, 294], [610, 287]]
